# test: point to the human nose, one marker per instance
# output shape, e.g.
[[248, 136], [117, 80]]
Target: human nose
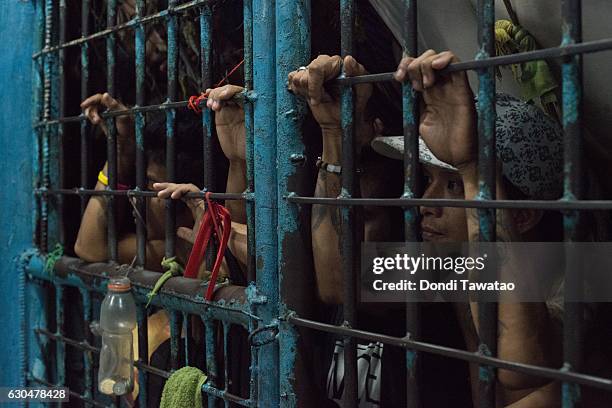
[[431, 192]]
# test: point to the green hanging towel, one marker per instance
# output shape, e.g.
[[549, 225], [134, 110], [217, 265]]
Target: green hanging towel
[[184, 389]]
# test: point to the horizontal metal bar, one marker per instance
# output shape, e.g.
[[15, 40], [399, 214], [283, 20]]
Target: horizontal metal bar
[[136, 193], [123, 112], [90, 401], [546, 53], [245, 96], [119, 27], [544, 372], [178, 293], [434, 202], [228, 396], [84, 346], [146, 367]]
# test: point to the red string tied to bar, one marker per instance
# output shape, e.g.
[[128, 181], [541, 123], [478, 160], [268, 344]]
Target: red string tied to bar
[[216, 222], [195, 100]]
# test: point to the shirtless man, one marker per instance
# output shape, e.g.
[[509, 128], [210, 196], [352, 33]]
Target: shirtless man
[[448, 129]]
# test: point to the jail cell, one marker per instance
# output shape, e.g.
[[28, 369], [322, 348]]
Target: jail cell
[[276, 41]]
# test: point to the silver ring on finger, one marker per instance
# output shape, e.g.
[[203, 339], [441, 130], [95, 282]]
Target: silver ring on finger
[[302, 68]]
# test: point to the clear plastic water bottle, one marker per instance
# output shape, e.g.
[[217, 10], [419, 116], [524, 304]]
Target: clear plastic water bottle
[[117, 320]]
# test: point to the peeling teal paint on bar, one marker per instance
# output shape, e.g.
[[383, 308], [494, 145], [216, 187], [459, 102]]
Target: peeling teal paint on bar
[[234, 312], [487, 312], [249, 131], [292, 51], [211, 362], [572, 92], [570, 395], [172, 91], [264, 69], [572, 100], [60, 347]]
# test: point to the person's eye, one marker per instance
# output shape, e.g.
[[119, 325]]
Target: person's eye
[[455, 186]]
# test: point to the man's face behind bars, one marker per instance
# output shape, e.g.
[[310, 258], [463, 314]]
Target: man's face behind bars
[[443, 224]]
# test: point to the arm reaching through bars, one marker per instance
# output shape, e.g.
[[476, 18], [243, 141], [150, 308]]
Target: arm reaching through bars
[[91, 244], [326, 221], [230, 125]]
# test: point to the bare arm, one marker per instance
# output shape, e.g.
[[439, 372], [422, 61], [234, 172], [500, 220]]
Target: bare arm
[[525, 330], [448, 126], [91, 244], [325, 220]]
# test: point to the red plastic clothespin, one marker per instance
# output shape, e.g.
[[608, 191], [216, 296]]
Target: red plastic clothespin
[[215, 222]]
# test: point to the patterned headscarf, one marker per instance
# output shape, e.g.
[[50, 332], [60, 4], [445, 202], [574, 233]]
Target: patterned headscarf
[[529, 145]]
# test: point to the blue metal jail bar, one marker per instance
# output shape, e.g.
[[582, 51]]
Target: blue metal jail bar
[[273, 201]]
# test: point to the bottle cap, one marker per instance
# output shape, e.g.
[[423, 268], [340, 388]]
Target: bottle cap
[[119, 285]]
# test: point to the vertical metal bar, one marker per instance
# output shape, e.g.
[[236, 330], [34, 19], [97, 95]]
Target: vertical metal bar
[[87, 337], [211, 362], [348, 231], [253, 368], [111, 137], [206, 34], [38, 115], [47, 95], [293, 262], [249, 129], [143, 355], [172, 65], [226, 361], [60, 346], [175, 335], [187, 328], [84, 124], [486, 170], [59, 140], [139, 122], [573, 327], [264, 68], [410, 110]]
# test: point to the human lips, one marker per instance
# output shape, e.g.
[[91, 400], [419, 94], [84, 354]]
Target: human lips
[[430, 234]]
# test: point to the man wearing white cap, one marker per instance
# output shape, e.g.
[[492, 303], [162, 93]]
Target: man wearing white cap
[[530, 155]]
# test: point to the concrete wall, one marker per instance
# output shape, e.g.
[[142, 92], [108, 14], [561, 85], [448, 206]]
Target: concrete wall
[[16, 146]]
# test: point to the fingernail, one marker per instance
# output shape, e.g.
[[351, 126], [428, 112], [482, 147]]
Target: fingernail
[[313, 101], [399, 74]]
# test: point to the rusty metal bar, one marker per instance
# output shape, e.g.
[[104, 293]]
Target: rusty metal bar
[[111, 136], [139, 123], [573, 324], [172, 67], [546, 53], [84, 127], [487, 312], [544, 372], [128, 24], [349, 249], [410, 112]]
